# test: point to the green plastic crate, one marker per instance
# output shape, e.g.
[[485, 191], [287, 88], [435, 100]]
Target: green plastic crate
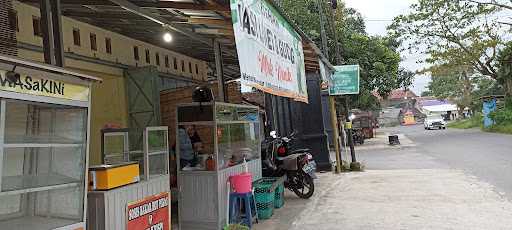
[[279, 197], [264, 190], [265, 210], [280, 188]]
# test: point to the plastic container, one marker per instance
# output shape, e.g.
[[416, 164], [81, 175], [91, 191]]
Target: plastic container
[[263, 192], [265, 210], [279, 196], [241, 183]]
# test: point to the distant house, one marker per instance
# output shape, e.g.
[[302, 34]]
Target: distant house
[[402, 101], [398, 97], [445, 108]]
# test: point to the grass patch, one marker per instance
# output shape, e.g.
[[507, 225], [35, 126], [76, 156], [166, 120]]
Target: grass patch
[[474, 122], [477, 122], [506, 129]]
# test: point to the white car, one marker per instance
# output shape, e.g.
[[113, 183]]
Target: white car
[[434, 122]]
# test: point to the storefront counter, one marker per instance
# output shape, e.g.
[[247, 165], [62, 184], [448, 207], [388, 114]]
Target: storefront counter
[[108, 209], [144, 204]]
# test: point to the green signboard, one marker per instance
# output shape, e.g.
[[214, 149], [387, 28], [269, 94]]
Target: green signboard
[[344, 80]]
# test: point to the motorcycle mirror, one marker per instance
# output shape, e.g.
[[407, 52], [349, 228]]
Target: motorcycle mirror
[[352, 117], [273, 134]]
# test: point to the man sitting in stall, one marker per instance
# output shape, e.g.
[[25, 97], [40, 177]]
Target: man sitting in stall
[[187, 156]]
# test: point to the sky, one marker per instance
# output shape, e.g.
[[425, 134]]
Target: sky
[[378, 15]]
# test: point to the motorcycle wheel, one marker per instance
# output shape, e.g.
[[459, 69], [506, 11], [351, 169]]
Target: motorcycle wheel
[[305, 187]]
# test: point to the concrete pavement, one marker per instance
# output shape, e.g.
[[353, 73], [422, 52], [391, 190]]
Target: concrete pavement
[[403, 188]]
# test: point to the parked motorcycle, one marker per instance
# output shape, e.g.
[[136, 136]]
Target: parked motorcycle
[[297, 165], [358, 136]]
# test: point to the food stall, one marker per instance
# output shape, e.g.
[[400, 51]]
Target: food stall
[[123, 200], [44, 130], [212, 141]]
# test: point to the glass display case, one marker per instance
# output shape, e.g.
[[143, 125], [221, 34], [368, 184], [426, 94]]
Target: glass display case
[[226, 136], [43, 151], [156, 151], [115, 146], [212, 141]]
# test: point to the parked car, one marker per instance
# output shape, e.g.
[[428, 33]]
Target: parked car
[[434, 122]]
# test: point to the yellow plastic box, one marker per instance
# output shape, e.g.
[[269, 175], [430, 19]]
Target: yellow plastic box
[[105, 177]]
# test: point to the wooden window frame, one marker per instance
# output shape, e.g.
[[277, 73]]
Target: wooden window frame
[[167, 65], [136, 53], [148, 57], [36, 26], [108, 45], [76, 37], [13, 20], [94, 41]]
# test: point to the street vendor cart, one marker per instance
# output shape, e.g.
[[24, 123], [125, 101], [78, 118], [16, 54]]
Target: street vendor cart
[[228, 134]]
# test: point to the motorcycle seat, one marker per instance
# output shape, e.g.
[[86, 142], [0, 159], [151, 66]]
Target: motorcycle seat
[[300, 151]]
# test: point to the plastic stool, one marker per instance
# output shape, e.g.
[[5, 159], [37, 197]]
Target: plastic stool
[[235, 205]]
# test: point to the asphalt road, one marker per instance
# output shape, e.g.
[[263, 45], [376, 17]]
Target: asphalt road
[[488, 156]]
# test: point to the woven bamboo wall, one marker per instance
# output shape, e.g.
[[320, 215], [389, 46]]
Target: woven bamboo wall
[[8, 24]]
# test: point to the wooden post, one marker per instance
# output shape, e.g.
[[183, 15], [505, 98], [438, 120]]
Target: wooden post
[[47, 32], [57, 33], [336, 136], [219, 71]]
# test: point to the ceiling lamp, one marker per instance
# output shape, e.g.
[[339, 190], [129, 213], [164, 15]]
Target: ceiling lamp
[[167, 37]]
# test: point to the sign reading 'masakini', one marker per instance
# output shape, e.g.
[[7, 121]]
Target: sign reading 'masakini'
[[40, 86], [269, 50]]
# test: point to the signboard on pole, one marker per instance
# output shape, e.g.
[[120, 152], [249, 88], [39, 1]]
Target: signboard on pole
[[269, 50], [149, 213], [345, 80]]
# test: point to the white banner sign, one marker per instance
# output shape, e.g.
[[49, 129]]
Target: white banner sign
[[269, 50]]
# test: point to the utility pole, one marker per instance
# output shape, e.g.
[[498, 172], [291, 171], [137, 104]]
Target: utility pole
[[332, 100], [349, 133], [323, 35], [347, 127]]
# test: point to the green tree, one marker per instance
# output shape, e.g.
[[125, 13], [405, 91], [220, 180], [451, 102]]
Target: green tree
[[426, 93], [377, 56], [454, 82], [452, 32], [445, 87], [405, 78], [505, 68]]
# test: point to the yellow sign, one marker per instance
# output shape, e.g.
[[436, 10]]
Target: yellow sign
[[348, 125], [35, 85]]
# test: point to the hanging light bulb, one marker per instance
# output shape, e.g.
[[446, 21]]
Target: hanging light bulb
[[167, 37]]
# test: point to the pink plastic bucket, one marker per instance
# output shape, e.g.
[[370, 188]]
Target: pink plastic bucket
[[241, 183]]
